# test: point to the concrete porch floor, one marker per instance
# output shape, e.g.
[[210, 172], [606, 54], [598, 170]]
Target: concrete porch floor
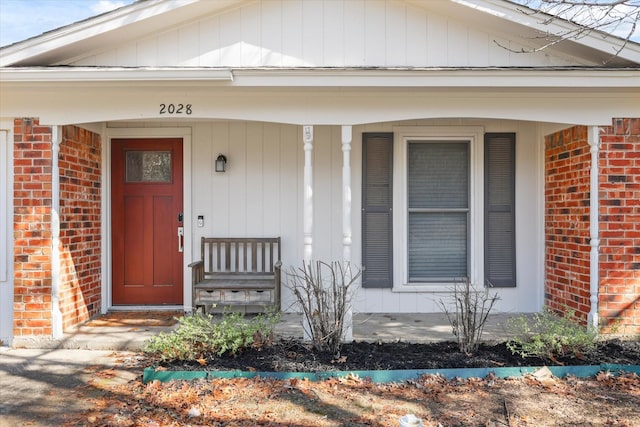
[[366, 327]]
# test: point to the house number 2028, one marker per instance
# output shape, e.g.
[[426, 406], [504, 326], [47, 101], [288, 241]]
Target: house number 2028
[[176, 109]]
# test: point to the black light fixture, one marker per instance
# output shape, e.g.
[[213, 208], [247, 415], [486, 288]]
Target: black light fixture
[[221, 163]]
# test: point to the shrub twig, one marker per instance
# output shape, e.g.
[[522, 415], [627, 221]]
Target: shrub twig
[[324, 292], [470, 314]]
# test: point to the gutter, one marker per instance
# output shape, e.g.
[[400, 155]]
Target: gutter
[[578, 78], [594, 209], [56, 283]]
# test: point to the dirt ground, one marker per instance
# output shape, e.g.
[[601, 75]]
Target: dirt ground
[[115, 396], [606, 400]]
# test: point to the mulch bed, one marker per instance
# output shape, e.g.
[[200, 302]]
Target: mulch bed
[[290, 355]]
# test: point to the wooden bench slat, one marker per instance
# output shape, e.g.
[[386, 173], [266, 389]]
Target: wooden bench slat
[[230, 270]]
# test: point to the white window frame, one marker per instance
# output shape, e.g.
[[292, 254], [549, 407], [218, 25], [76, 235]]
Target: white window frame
[[402, 135]]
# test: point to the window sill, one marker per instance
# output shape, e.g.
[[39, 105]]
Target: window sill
[[425, 288]]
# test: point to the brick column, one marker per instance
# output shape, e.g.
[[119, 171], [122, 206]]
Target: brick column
[[80, 217], [620, 226], [32, 228], [79, 244], [567, 199], [567, 242]]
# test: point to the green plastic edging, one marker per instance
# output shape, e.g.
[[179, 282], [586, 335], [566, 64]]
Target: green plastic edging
[[382, 376]]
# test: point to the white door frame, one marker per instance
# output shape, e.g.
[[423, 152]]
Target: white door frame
[[6, 232], [108, 135]]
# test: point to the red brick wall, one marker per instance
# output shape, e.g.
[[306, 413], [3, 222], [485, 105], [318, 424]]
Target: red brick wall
[[80, 252], [620, 225], [80, 235], [567, 175], [32, 228], [567, 245]]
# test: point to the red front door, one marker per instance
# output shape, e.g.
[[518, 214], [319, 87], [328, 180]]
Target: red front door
[[146, 215]]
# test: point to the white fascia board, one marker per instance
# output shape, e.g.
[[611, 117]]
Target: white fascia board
[[126, 16], [339, 77], [596, 39], [450, 78], [88, 74]]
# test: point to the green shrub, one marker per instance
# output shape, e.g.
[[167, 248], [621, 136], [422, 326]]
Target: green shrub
[[201, 335], [550, 337]]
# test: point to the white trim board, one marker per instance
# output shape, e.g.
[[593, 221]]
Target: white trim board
[[111, 133], [473, 134], [6, 230]]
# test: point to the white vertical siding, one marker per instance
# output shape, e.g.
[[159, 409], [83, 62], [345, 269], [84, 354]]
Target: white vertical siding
[[272, 35], [261, 195], [324, 200], [312, 31], [328, 33], [354, 34], [209, 36]]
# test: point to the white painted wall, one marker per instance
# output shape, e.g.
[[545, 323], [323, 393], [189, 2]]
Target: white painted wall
[[261, 195], [6, 232], [334, 33]]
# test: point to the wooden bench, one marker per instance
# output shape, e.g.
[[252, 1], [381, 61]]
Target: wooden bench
[[241, 274]]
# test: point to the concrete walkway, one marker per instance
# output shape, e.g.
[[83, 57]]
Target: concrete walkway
[[366, 327]]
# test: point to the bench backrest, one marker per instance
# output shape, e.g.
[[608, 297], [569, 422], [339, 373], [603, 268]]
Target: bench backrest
[[241, 256]]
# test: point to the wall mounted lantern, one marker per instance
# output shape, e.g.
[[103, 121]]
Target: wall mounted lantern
[[221, 163]]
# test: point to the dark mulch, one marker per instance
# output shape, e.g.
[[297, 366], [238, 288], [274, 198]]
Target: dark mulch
[[296, 356]]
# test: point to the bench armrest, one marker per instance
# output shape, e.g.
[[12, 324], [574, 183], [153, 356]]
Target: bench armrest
[[197, 271], [277, 270]]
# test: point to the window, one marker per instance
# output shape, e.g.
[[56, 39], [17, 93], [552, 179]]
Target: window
[[437, 228], [437, 210], [148, 166], [453, 192]]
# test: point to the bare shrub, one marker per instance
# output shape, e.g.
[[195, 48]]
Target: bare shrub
[[324, 292], [469, 317]]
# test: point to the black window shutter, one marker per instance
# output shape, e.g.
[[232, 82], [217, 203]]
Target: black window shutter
[[499, 212], [377, 225]]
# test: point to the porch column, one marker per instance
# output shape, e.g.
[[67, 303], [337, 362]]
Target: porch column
[[594, 208], [346, 192], [56, 314], [307, 221], [346, 217]]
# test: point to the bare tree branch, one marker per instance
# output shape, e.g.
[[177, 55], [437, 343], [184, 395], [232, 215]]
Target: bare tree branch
[[607, 17]]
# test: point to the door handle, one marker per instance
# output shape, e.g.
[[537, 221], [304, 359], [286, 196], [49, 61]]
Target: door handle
[[180, 239]]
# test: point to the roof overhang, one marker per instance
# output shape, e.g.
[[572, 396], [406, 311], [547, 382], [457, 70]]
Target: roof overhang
[[606, 47], [320, 96], [135, 20], [329, 77], [115, 74]]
